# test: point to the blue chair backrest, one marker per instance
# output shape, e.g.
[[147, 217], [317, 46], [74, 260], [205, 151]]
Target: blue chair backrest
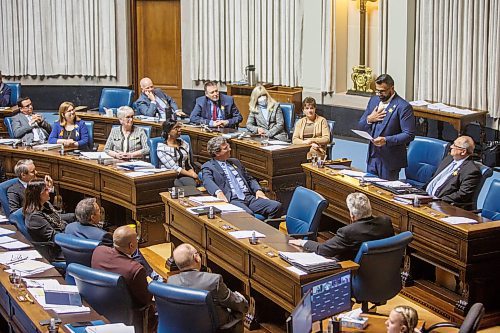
[[4, 199], [305, 211], [177, 306], [113, 98], [90, 129], [8, 124], [15, 92], [105, 291], [491, 205], [424, 155], [76, 250], [153, 145], [288, 110], [17, 218], [486, 172], [331, 126], [378, 278]]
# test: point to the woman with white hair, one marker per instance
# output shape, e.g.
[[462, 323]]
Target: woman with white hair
[[127, 141]]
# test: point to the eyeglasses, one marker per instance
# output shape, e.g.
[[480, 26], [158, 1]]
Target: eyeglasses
[[457, 147], [28, 106]]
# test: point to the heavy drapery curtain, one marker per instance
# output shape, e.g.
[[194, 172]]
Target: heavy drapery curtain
[[383, 14], [328, 46], [228, 35], [457, 53], [58, 37]]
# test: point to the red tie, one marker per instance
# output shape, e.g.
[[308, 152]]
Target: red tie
[[214, 113]]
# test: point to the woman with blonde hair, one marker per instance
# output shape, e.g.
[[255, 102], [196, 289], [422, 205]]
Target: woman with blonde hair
[[265, 117], [70, 130], [402, 319]]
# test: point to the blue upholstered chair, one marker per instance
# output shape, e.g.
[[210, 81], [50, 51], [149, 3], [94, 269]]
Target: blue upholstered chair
[[491, 205], [329, 147], [113, 98], [378, 278], [424, 155], [90, 129], [15, 92], [470, 324], [8, 124], [153, 146], [17, 219], [486, 172], [4, 199], [288, 110], [303, 214], [107, 293], [76, 250], [175, 304]]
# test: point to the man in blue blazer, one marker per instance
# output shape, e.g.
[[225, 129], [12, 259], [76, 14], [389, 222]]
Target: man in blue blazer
[[5, 93], [227, 179], [214, 109], [390, 121], [154, 102]]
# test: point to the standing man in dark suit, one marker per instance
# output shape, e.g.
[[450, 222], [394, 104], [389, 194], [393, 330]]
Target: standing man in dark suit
[[154, 102], [88, 214], [457, 176], [230, 305], [389, 120], [214, 109], [5, 93], [227, 179], [347, 241], [28, 126]]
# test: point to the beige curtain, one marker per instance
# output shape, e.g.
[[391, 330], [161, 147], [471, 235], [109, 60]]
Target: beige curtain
[[383, 15], [228, 35], [328, 46], [457, 53], [58, 37]]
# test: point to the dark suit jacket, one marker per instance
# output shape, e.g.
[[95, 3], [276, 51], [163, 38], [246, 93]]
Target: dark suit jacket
[[22, 129], [459, 189], [346, 243], [89, 231], [15, 193], [215, 179], [146, 108], [202, 112], [398, 128], [111, 260], [5, 93], [224, 298]]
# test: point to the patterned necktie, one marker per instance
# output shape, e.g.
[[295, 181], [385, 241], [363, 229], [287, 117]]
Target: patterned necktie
[[236, 185], [214, 112]]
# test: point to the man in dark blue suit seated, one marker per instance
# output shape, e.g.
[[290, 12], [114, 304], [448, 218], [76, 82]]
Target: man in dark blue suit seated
[[5, 93], [153, 102], [390, 121], [214, 109], [227, 179]]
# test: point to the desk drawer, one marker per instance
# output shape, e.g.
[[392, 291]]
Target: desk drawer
[[21, 320], [79, 177], [227, 250], [4, 300], [187, 226], [117, 187]]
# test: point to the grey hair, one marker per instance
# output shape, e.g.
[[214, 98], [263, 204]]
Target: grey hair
[[467, 143], [123, 110], [359, 205], [214, 145], [21, 167], [84, 209]]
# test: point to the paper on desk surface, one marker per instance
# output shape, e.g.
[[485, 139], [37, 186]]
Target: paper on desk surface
[[94, 155], [395, 184], [15, 245], [136, 164], [353, 173], [240, 234], [274, 147], [39, 295], [306, 258], [458, 220], [30, 265], [296, 270], [4, 231], [11, 256], [3, 219], [110, 328], [363, 134], [419, 103], [278, 142], [201, 199], [134, 174], [6, 239]]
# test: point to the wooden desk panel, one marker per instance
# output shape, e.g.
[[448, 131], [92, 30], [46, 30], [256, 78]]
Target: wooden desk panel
[[470, 252]]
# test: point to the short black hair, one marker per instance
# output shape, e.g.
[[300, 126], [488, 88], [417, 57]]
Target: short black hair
[[385, 78], [167, 127], [20, 101], [209, 84]]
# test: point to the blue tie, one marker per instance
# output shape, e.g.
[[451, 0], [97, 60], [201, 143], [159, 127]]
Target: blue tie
[[236, 185], [439, 180]]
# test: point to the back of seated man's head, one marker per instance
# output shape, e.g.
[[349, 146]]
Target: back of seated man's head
[[25, 170], [359, 206], [186, 257], [125, 239], [87, 211]]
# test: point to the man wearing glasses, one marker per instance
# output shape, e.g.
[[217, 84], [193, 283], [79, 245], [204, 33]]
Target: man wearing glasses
[[457, 176], [389, 120], [28, 126]]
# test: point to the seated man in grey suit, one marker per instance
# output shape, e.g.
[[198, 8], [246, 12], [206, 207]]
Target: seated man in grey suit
[[28, 126], [227, 179], [457, 176], [25, 171], [153, 102], [364, 227], [231, 305], [214, 109]]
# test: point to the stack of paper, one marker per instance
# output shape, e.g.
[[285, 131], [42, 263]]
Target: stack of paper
[[419, 103], [274, 147], [309, 262], [394, 184], [240, 234], [3, 231], [15, 245], [352, 173], [9, 141], [135, 165], [110, 328], [229, 208], [39, 295], [437, 106], [3, 218], [7, 258], [458, 220], [203, 199], [28, 267], [95, 155]]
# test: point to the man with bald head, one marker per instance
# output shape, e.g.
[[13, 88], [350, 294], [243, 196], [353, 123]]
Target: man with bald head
[[153, 102], [118, 259], [230, 305], [457, 176]]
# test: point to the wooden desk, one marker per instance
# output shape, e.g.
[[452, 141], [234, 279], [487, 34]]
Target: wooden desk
[[138, 195], [25, 317], [250, 264], [470, 252], [8, 112]]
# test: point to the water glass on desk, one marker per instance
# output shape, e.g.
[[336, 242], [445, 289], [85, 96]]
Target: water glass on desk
[[180, 195]]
